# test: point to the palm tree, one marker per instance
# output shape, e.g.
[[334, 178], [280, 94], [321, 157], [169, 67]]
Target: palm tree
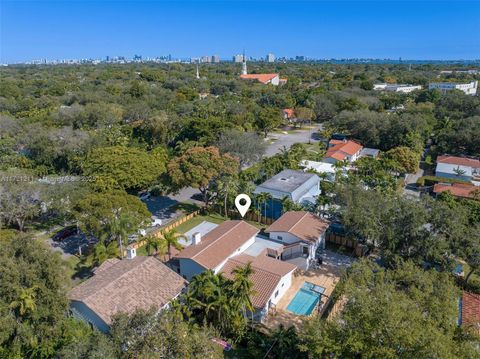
[[263, 198], [102, 251], [287, 204], [458, 171], [155, 245], [243, 287], [120, 228], [25, 301], [227, 186], [171, 240]]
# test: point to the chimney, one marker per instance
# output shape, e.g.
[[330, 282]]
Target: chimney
[[131, 253], [196, 238]]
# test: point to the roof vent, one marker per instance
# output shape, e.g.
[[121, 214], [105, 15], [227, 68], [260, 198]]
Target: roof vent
[[131, 253], [196, 238]]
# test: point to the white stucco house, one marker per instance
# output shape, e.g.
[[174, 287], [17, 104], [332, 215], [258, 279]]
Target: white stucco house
[[301, 232], [230, 245], [462, 168]]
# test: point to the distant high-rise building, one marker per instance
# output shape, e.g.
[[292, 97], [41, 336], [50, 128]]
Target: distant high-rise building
[[244, 64], [215, 59], [206, 59], [270, 57], [238, 58]]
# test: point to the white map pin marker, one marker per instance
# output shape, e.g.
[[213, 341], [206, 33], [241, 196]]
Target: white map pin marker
[[243, 208]]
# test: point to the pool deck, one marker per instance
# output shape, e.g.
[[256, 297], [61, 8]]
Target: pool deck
[[327, 276]]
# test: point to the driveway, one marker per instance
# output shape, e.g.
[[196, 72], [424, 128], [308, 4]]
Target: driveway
[[281, 140], [72, 245], [164, 207]]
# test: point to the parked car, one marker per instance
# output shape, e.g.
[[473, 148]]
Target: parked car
[[145, 196], [156, 222], [65, 233]]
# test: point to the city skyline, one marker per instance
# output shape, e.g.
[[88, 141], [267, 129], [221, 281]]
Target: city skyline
[[427, 30]]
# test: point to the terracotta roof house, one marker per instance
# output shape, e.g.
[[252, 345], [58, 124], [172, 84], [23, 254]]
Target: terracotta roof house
[[462, 168], [339, 150], [215, 248], [461, 190], [302, 232], [271, 278], [300, 187], [470, 311], [124, 286], [288, 113], [265, 79]]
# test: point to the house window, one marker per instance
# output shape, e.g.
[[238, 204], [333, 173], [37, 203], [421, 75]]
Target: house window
[[280, 237], [276, 294]]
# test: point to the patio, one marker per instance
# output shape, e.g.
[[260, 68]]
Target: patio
[[327, 276]]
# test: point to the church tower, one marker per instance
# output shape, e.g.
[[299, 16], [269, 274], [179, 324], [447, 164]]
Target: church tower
[[244, 64]]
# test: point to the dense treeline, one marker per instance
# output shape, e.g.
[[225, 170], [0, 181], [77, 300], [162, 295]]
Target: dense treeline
[[120, 129]]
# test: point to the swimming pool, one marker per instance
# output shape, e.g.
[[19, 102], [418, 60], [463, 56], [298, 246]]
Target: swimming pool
[[306, 299]]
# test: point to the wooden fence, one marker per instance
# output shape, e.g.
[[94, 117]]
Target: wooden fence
[[251, 216], [336, 308], [158, 232], [360, 249]]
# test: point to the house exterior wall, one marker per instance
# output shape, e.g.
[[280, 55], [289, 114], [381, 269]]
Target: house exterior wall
[[81, 311], [284, 283], [307, 189], [285, 237], [275, 81], [449, 171], [282, 287], [290, 239], [275, 194], [453, 176]]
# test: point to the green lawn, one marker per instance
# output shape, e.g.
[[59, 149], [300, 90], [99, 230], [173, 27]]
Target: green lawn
[[195, 221], [214, 218]]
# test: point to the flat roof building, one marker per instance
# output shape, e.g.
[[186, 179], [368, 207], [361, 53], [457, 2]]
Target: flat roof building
[[468, 88]]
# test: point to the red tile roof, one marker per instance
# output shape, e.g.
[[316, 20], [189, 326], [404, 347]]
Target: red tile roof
[[303, 225], [267, 274], [289, 112], [127, 285], [220, 243], [463, 190], [462, 161], [263, 78], [471, 310], [341, 149]]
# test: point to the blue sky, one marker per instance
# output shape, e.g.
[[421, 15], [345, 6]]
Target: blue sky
[[321, 29]]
